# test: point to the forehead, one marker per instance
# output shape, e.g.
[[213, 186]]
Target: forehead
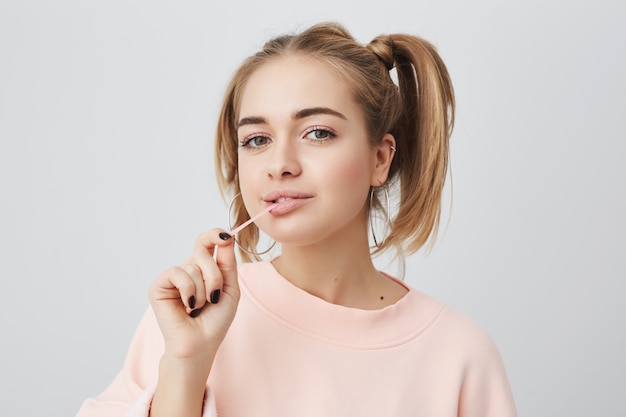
[[293, 82]]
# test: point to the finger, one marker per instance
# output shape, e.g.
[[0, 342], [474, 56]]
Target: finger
[[174, 284], [205, 249], [199, 298], [210, 240], [227, 263]]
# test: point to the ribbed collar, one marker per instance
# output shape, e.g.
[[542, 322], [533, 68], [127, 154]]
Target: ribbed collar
[[332, 323]]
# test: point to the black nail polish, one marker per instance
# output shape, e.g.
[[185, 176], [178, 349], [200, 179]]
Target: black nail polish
[[192, 302], [215, 296], [194, 313], [224, 236]]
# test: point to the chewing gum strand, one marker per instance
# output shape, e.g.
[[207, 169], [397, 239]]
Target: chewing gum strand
[[246, 224]]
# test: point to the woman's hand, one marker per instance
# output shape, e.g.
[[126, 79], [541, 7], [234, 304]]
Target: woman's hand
[[195, 303]]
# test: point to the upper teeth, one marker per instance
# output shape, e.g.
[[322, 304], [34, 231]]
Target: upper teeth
[[280, 200]]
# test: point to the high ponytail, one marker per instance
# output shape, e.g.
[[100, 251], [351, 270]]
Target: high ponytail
[[422, 132]]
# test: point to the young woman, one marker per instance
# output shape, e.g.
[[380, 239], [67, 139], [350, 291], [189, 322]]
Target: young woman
[[315, 132]]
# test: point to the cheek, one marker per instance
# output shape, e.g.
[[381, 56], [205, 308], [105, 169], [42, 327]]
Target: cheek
[[350, 175], [244, 173], [354, 166], [354, 171], [248, 175]]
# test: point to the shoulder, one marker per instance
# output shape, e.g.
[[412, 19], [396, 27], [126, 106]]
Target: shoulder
[[453, 328], [466, 331], [465, 345], [462, 327], [469, 348]]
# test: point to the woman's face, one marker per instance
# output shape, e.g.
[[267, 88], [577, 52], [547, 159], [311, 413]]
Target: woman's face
[[303, 142]]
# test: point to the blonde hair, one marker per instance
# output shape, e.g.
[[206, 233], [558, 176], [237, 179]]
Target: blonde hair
[[418, 112]]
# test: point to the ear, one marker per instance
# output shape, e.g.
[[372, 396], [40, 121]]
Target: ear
[[384, 153]]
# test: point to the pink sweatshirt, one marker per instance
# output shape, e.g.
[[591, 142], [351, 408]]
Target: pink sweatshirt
[[289, 353]]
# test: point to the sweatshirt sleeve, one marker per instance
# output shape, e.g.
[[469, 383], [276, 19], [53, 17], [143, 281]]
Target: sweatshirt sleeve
[[485, 391], [130, 394]]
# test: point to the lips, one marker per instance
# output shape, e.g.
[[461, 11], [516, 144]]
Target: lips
[[288, 200], [284, 195]]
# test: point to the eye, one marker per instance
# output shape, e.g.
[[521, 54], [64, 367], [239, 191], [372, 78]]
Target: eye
[[255, 142], [319, 134]]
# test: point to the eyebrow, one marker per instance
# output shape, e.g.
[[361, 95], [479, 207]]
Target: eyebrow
[[300, 114], [251, 121]]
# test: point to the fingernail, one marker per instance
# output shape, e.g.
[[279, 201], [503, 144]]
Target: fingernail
[[225, 236], [194, 313], [192, 302], [215, 296]]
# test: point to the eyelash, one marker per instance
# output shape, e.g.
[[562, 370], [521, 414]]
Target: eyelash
[[245, 143], [331, 135]]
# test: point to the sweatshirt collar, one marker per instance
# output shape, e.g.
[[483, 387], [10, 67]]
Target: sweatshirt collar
[[331, 323]]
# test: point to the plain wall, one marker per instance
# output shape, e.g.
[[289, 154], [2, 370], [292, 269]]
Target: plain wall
[[107, 113]]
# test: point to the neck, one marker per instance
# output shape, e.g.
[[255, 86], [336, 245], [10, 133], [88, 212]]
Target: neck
[[340, 272]]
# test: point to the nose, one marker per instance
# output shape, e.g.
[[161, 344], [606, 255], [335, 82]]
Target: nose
[[283, 160]]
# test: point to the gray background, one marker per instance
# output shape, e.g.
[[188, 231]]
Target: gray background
[[107, 112]]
